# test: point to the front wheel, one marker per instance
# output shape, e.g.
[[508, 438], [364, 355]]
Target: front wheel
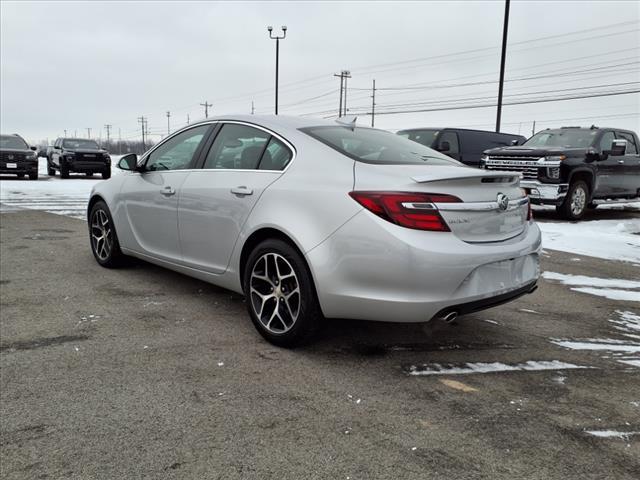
[[102, 234], [51, 171], [280, 294], [575, 203], [64, 171], [106, 174], [33, 176]]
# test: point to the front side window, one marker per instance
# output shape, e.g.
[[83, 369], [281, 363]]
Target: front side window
[[369, 145], [9, 141], [177, 152], [606, 141], [237, 147], [632, 148]]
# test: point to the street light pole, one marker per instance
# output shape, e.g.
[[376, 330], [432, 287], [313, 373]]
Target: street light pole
[[505, 28], [277, 39]]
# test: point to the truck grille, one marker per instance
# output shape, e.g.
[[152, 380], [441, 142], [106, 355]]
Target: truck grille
[[11, 157], [526, 165], [89, 157]]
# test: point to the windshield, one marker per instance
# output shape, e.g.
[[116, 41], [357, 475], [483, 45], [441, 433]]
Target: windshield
[[76, 144], [562, 138], [424, 137], [9, 141], [369, 145]]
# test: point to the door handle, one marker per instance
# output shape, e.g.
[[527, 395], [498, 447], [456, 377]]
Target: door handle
[[242, 191], [167, 191]]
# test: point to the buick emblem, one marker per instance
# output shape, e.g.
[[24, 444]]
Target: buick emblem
[[503, 201]]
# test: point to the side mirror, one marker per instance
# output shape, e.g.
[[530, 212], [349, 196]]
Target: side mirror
[[34, 148], [618, 148], [56, 147], [444, 146], [514, 142], [129, 162]]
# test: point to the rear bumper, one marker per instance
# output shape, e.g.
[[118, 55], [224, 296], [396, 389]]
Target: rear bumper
[[545, 193], [371, 269], [22, 167]]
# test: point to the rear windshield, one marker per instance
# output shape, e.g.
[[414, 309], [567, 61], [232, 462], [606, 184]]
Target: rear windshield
[[424, 137], [369, 145], [562, 138], [9, 141], [80, 144]]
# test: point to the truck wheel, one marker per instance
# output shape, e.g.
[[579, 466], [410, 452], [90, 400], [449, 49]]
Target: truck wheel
[[33, 176], [51, 171], [576, 201], [64, 171], [106, 174], [89, 174]]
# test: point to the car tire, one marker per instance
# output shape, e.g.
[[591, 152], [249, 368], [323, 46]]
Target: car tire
[[64, 171], [575, 203], [280, 294], [20, 175], [103, 238], [89, 174], [51, 171], [106, 174], [33, 176]]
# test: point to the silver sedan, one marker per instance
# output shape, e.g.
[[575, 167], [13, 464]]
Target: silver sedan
[[312, 219]]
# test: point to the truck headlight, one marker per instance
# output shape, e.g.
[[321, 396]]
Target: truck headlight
[[557, 158], [31, 156]]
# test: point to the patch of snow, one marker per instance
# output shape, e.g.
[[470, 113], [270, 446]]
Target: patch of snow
[[611, 434], [221, 364], [599, 344], [467, 368], [632, 362], [608, 239], [490, 321], [526, 310], [610, 288]]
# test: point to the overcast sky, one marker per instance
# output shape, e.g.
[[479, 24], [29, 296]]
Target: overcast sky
[[73, 65]]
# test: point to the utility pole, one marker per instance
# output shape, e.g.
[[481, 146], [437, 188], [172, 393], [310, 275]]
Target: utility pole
[[341, 87], [206, 106], [108, 128], [347, 74], [505, 29], [88, 132], [142, 121], [277, 39], [373, 104], [65, 133], [188, 119], [168, 126], [253, 110], [344, 74], [75, 134], [533, 129]]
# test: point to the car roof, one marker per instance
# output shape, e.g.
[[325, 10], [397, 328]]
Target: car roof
[[459, 129], [274, 121]]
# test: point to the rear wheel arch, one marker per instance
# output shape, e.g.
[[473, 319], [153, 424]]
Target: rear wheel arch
[[258, 237]]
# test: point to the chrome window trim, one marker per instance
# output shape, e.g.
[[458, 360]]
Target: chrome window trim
[[286, 142]]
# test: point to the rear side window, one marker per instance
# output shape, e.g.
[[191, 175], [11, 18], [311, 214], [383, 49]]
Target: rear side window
[[276, 156], [369, 145], [632, 148], [237, 147]]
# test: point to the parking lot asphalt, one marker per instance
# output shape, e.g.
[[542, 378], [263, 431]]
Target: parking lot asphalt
[[144, 373]]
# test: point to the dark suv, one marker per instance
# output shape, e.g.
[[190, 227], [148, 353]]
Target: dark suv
[[574, 168], [78, 155], [464, 145], [17, 158]]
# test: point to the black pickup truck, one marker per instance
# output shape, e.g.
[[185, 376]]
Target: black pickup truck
[[78, 155], [573, 168]]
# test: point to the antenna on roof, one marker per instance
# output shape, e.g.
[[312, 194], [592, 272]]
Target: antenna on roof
[[347, 121]]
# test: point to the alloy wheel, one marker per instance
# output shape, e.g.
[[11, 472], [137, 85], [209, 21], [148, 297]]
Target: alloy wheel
[[578, 201], [275, 293], [101, 234]]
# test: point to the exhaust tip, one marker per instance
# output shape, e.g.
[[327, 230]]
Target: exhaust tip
[[449, 317]]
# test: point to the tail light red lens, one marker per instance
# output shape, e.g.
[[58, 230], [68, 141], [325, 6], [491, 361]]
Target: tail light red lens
[[411, 210]]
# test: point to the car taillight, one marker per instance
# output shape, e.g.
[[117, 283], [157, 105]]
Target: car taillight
[[407, 209]]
